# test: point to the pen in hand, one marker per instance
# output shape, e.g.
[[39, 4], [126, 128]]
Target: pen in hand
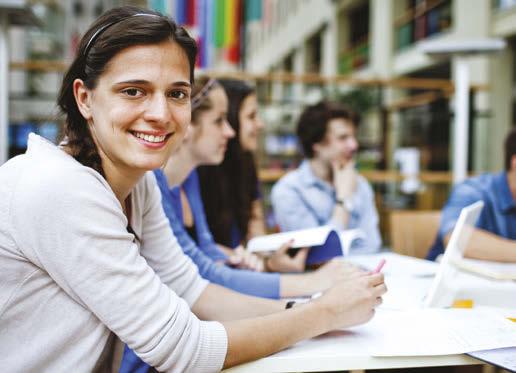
[[379, 266]]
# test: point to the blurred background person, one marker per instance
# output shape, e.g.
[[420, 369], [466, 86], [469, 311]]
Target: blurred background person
[[495, 236], [326, 189]]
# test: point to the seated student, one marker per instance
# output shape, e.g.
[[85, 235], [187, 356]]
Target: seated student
[[495, 236], [230, 191], [326, 188], [205, 143], [86, 252]]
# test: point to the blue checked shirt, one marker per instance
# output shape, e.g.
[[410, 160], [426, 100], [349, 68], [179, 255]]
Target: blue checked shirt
[[301, 200]]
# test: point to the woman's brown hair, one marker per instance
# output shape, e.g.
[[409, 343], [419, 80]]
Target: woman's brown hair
[[112, 32], [228, 190]]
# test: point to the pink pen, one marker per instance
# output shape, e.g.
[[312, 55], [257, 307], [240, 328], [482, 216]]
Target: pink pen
[[379, 266]]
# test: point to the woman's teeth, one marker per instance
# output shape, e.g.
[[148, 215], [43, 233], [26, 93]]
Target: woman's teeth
[[149, 138]]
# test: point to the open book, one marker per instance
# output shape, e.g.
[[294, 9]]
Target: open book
[[494, 270], [325, 242]]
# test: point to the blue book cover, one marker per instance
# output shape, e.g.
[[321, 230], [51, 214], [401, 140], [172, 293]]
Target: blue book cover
[[329, 250]]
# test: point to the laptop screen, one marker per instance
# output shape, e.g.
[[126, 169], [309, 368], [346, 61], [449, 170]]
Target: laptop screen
[[442, 290]]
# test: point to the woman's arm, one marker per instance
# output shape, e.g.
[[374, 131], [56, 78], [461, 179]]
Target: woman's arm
[[348, 303], [210, 305]]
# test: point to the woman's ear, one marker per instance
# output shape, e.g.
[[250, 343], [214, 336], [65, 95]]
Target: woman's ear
[[82, 97], [513, 163]]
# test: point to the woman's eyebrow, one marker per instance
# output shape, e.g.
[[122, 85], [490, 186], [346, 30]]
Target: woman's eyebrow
[[133, 81], [146, 82]]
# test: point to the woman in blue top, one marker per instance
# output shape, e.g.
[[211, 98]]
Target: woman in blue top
[[205, 143], [233, 198]]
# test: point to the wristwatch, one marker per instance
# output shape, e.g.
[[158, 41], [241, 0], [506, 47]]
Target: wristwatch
[[346, 203]]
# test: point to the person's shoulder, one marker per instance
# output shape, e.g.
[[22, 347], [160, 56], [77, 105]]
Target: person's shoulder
[[290, 178], [286, 183], [363, 184], [362, 180], [480, 183], [59, 174], [53, 184]]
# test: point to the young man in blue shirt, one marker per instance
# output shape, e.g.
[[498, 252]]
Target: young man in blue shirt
[[495, 236], [326, 188]]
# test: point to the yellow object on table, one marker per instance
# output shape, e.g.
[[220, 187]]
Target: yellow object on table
[[463, 303]]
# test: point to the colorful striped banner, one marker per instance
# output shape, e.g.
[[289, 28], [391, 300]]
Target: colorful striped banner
[[219, 22], [158, 5], [191, 13], [233, 52], [181, 12], [253, 10]]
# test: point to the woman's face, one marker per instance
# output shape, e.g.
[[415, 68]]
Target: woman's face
[[140, 109], [211, 131], [250, 123]]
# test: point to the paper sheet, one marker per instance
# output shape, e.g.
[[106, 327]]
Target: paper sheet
[[347, 237], [426, 332], [396, 265], [413, 333], [502, 357], [302, 238]]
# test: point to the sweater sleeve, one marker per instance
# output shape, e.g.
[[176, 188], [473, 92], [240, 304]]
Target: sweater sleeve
[[69, 223]]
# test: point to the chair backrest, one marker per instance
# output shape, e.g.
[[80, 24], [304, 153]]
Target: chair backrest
[[412, 232]]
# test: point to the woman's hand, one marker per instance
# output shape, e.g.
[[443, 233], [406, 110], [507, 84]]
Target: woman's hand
[[281, 261], [352, 302], [243, 259], [335, 271]]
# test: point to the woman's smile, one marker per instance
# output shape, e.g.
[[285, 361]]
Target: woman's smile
[[152, 139]]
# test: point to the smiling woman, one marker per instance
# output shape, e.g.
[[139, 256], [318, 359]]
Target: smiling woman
[[86, 252], [139, 110]]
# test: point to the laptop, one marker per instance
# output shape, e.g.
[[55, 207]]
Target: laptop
[[442, 290]]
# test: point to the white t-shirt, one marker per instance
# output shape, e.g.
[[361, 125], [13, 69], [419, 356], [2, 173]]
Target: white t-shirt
[[70, 273]]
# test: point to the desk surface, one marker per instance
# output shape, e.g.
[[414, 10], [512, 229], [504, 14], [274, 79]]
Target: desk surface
[[338, 350], [328, 353]]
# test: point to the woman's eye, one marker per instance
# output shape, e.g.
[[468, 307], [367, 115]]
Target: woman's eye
[[133, 92]]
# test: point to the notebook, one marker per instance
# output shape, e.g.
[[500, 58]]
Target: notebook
[[324, 242]]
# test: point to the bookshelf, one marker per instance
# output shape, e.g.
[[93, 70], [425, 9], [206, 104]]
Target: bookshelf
[[422, 19]]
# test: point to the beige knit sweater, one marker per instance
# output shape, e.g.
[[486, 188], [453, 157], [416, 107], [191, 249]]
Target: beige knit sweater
[[70, 273]]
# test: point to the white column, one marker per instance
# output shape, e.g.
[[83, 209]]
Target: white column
[[501, 100], [299, 68], [381, 34], [4, 88], [329, 48], [461, 125]]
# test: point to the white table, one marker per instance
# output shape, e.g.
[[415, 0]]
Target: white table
[[328, 353], [338, 350]]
